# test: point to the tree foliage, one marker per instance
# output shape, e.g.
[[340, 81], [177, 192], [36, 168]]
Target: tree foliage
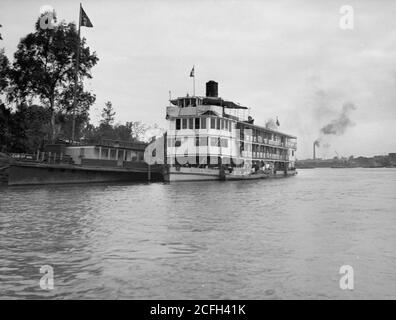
[[4, 70], [38, 87], [44, 69], [130, 131], [108, 114]]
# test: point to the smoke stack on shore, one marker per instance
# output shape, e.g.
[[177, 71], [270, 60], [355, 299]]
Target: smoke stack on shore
[[315, 144], [314, 155]]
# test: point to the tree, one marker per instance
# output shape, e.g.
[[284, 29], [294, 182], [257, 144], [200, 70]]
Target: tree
[[38, 131], [5, 119], [138, 130], [131, 131], [65, 115], [4, 71], [44, 67], [17, 126], [108, 114], [5, 113]]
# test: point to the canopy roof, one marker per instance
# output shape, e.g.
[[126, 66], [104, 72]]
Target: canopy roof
[[215, 101]]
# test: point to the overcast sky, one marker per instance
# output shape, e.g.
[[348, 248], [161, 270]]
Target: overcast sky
[[288, 59]]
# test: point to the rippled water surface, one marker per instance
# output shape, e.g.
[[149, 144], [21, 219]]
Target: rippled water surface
[[267, 239]]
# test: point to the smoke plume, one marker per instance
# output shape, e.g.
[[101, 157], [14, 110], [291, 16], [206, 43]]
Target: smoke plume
[[339, 125], [270, 124]]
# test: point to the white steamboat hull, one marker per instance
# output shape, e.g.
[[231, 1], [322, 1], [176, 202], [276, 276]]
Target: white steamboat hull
[[192, 174], [200, 174]]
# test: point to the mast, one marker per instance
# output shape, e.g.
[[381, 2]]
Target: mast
[[76, 76], [194, 85]]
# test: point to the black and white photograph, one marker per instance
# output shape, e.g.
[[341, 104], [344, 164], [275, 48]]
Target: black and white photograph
[[217, 150]]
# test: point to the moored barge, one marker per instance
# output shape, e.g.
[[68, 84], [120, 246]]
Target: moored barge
[[105, 161]]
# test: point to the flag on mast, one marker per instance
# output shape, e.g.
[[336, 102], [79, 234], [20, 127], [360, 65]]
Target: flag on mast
[[84, 20], [192, 75], [277, 122]]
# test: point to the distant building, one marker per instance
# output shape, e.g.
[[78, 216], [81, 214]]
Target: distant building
[[392, 158]]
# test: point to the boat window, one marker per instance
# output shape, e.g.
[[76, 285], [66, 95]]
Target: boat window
[[213, 123], [214, 141], [177, 124], [203, 123], [197, 141], [222, 124], [191, 123], [184, 123], [224, 143], [218, 124], [226, 124], [105, 153], [197, 126], [203, 141], [177, 143]]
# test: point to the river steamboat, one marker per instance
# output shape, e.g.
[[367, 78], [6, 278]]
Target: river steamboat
[[210, 138]]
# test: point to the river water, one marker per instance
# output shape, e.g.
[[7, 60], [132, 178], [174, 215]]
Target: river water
[[267, 239]]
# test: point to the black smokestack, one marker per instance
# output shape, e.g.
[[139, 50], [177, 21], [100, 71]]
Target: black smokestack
[[314, 155], [315, 144], [212, 89]]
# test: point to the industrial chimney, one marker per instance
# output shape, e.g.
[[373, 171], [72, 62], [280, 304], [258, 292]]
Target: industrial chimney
[[212, 89], [314, 147]]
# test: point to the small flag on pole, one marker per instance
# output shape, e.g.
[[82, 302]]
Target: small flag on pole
[[277, 122], [192, 72], [84, 20]]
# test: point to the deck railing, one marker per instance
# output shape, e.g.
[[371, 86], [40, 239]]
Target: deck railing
[[43, 157], [275, 143]]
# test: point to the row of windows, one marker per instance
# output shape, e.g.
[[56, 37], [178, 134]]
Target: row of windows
[[202, 142], [191, 123], [262, 136], [218, 142], [258, 148], [201, 123], [108, 153], [262, 149], [220, 124]]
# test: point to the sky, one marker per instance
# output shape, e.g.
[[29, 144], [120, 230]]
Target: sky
[[287, 59]]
